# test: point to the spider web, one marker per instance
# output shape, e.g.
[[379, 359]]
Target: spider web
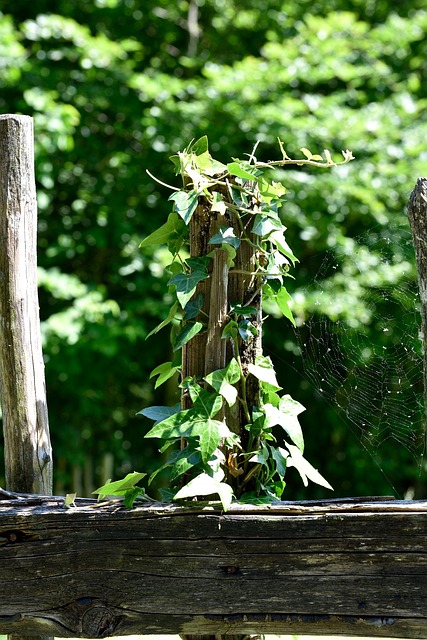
[[360, 342]]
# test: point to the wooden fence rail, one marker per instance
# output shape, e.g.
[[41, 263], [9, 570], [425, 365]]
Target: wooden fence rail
[[336, 567]]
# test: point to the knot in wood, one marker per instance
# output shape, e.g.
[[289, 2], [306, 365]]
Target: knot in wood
[[99, 622]]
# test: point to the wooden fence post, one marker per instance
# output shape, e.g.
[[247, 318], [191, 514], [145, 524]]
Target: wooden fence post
[[28, 454], [417, 214]]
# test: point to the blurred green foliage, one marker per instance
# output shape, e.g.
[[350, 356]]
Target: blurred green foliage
[[115, 86]]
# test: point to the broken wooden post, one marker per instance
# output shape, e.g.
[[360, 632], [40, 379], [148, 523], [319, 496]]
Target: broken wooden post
[[28, 455], [417, 214]]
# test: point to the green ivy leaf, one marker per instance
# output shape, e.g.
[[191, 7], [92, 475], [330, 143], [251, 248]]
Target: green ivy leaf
[[247, 329], [243, 311], [284, 418], [226, 235], [283, 298], [264, 371], [172, 231], [186, 285], [236, 169], [166, 321], [261, 456], [230, 330], [193, 307], [187, 332], [280, 456], [218, 203], [206, 485], [164, 371], [185, 460], [199, 146], [210, 432], [131, 495], [222, 380], [200, 263], [304, 468], [185, 203], [264, 225], [120, 486], [159, 413], [278, 239], [206, 404]]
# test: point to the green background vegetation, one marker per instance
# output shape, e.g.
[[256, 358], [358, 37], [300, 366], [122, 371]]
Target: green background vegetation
[[115, 87]]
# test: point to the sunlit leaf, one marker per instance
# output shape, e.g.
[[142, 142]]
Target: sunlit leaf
[[185, 203], [173, 229], [226, 235], [120, 486], [159, 413], [264, 371], [222, 380], [304, 468], [206, 485]]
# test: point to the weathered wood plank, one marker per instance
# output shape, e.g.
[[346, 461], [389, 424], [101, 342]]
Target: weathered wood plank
[[355, 568]]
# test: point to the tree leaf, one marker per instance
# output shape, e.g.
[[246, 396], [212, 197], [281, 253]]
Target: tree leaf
[[185, 460], [187, 332], [185, 203], [304, 468], [166, 321], [186, 285], [210, 432], [243, 311], [206, 485]]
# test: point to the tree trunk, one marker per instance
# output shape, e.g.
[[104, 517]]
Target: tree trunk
[[28, 454]]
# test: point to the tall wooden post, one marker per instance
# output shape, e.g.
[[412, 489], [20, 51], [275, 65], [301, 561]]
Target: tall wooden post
[[208, 351], [28, 455], [417, 214]]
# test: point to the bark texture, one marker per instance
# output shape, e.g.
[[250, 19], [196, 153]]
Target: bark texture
[[417, 214], [27, 448], [327, 568], [28, 454]]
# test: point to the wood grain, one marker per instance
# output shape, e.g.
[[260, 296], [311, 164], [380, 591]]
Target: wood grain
[[358, 568]]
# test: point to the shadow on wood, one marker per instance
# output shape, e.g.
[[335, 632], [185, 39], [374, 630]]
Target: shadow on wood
[[335, 567]]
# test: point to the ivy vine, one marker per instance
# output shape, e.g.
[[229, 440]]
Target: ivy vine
[[208, 454]]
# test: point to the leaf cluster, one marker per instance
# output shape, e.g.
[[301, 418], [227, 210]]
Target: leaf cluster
[[205, 456]]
